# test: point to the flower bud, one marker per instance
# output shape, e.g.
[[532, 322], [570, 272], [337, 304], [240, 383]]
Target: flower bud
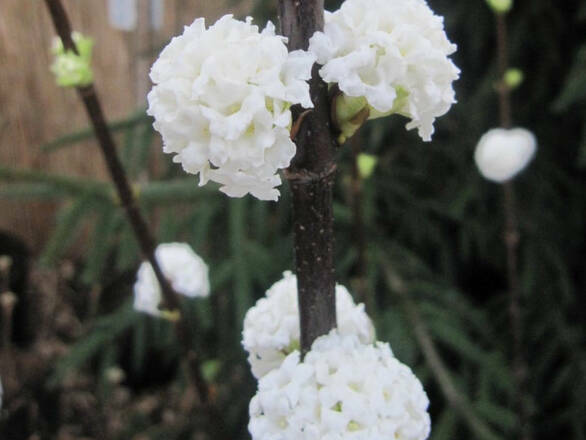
[[513, 78], [366, 164], [500, 6], [71, 69]]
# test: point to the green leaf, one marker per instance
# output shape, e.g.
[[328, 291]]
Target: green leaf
[[456, 339], [574, 90], [105, 330], [140, 117], [68, 222], [242, 283], [497, 415], [107, 224]]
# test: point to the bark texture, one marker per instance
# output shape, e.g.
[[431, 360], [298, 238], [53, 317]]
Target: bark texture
[[128, 200], [311, 177], [105, 140], [511, 239]]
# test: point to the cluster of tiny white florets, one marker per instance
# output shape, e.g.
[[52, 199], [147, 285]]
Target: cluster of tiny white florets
[[394, 53], [185, 270], [502, 153], [271, 327], [343, 389], [221, 102]]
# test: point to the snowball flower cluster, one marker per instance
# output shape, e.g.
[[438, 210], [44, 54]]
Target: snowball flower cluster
[[343, 389], [185, 270], [393, 53], [271, 327], [221, 103], [502, 153]]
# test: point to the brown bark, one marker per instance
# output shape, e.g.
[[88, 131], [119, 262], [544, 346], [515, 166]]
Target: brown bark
[[311, 177], [511, 240], [143, 235]]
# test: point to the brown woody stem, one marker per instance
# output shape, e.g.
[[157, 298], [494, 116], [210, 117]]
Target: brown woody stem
[[139, 225], [311, 177], [511, 239]]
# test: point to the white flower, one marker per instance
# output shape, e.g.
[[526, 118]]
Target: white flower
[[185, 270], [221, 103], [271, 327], [394, 53], [342, 390], [501, 154]]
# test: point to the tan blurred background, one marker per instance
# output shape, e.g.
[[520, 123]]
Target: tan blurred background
[[33, 110]]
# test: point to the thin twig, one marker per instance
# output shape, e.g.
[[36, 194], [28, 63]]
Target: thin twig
[[511, 240], [146, 241], [455, 399], [311, 177]]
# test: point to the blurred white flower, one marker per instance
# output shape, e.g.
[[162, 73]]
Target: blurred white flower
[[271, 327], [221, 103], [393, 53], [501, 153], [343, 389], [185, 270]]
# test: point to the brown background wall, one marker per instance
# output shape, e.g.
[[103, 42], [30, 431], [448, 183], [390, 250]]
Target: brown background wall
[[33, 110]]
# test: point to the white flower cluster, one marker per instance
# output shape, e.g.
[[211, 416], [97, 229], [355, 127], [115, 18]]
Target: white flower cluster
[[394, 53], [343, 389], [221, 103], [501, 154], [271, 327], [185, 270]]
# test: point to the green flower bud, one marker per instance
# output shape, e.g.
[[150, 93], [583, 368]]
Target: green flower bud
[[210, 369], [70, 69], [513, 78], [398, 105], [350, 113], [366, 164], [500, 6], [171, 315]]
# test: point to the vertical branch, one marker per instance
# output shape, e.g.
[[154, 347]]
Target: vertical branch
[[511, 239], [109, 152], [128, 200], [503, 65], [311, 177]]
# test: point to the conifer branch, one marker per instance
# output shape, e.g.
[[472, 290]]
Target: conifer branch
[[455, 399], [311, 177]]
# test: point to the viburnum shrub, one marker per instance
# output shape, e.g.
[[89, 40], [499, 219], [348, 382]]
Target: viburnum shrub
[[222, 100], [235, 105]]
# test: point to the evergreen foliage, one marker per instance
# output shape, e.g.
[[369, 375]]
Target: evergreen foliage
[[434, 243]]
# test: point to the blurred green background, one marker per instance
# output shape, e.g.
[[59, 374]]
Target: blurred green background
[[83, 364]]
